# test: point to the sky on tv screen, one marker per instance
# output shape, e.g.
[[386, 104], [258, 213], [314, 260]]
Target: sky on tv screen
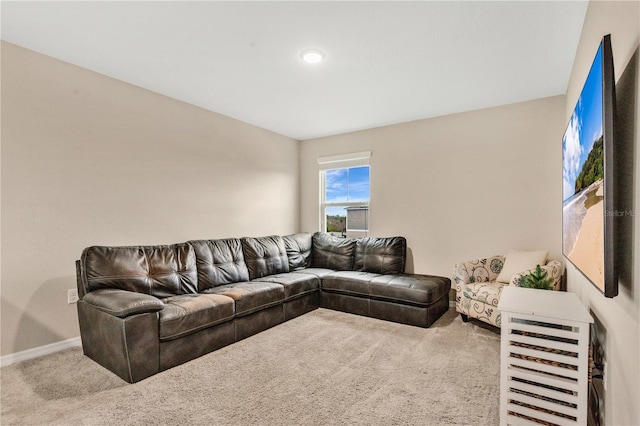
[[585, 127]]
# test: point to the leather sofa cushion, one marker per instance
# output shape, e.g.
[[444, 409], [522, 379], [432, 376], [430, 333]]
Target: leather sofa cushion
[[298, 247], [251, 296], [348, 282], [265, 256], [380, 255], [294, 283], [122, 303], [333, 253], [160, 271], [408, 288], [219, 262], [318, 272], [186, 314]]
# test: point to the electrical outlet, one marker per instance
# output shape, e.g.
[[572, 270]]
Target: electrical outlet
[[72, 295]]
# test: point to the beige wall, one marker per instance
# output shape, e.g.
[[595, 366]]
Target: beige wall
[[618, 319], [459, 187], [88, 160]]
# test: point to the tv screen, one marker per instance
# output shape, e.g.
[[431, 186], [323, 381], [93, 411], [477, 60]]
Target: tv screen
[[588, 187]]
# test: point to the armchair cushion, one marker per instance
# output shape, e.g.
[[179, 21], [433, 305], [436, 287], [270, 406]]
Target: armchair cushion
[[517, 261], [480, 270], [488, 292]]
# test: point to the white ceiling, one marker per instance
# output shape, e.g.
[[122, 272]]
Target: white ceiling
[[387, 62]]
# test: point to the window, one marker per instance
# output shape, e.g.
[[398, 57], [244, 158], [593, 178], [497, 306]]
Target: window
[[345, 191]]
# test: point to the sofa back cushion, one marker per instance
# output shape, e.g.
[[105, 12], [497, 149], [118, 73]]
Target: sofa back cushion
[[265, 256], [332, 252], [160, 271], [380, 255], [219, 262], [298, 247]]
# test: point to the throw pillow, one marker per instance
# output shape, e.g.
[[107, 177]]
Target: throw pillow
[[518, 261]]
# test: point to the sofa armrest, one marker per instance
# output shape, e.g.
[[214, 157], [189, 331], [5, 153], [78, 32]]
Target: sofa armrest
[[122, 303], [554, 269], [480, 270]]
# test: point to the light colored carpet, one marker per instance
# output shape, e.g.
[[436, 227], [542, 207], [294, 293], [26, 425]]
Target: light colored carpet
[[324, 368]]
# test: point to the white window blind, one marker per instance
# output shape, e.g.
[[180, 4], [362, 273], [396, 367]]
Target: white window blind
[[345, 160]]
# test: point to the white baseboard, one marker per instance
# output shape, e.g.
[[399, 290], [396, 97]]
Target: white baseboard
[[39, 351]]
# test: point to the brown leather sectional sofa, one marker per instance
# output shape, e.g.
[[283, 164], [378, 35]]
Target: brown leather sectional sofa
[[145, 309]]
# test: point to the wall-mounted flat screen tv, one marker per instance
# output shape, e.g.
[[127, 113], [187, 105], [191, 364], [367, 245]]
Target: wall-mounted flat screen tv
[[588, 187]]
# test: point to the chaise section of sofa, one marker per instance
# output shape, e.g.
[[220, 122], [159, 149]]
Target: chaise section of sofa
[[144, 309], [377, 285]]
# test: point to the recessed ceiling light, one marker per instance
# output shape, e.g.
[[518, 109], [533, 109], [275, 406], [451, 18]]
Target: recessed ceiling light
[[312, 56]]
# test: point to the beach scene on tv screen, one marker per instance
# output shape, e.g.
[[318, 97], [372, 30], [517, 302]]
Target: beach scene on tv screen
[[583, 179]]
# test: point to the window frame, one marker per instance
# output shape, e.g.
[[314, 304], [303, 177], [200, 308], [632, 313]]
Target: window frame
[[345, 161]]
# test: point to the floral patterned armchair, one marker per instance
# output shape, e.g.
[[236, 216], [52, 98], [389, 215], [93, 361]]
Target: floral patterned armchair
[[478, 292]]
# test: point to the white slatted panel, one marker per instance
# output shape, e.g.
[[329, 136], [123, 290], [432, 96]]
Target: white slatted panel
[[544, 365]]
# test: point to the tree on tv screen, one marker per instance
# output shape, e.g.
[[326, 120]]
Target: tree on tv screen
[[592, 169]]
